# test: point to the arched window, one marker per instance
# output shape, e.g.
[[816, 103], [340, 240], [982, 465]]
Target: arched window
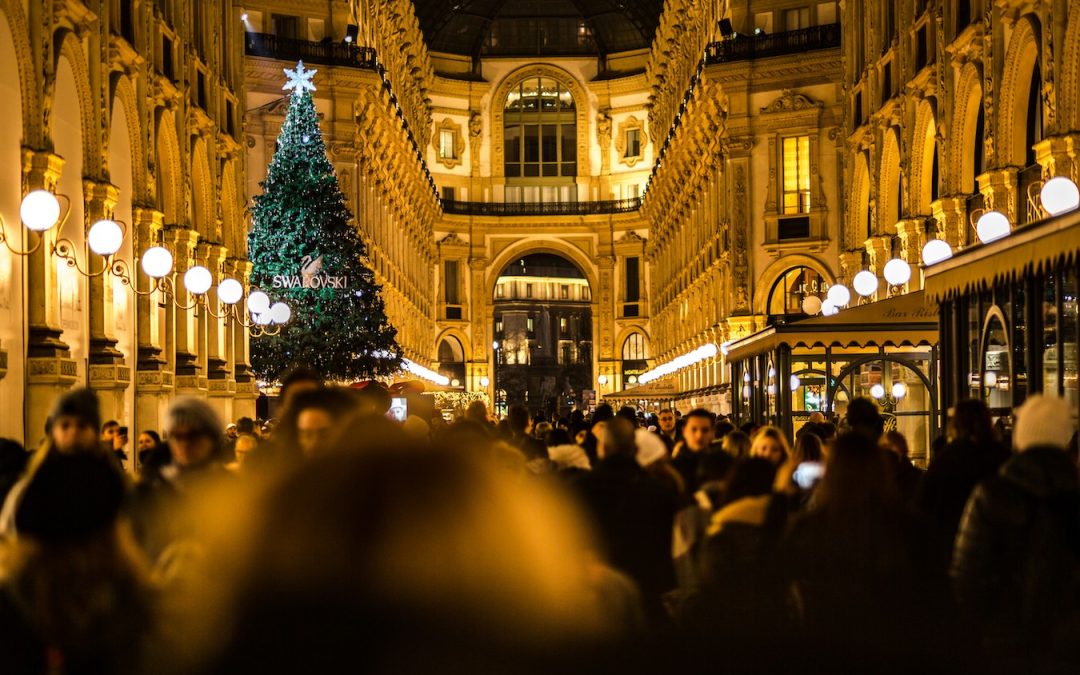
[[540, 130], [634, 361], [452, 360], [790, 289]]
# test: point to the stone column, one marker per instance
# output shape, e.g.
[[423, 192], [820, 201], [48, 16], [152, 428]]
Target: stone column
[[1057, 155], [220, 387], [246, 388], [49, 369], [604, 319], [912, 234], [879, 251], [481, 319], [107, 373], [185, 337], [952, 220], [153, 378], [1000, 188]]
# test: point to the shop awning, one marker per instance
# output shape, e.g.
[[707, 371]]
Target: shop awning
[[1027, 250], [906, 320]]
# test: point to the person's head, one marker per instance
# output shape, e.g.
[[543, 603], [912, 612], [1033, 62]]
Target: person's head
[[70, 498], [557, 437], [109, 430], [616, 439], [245, 443], [894, 442], [858, 478], [666, 421], [699, 430], [541, 429], [517, 416], [808, 448], [722, 428], [628, 414], [477, 412], [297, 380], [195, 433], [864, 416], [149, 439], [246, 425], [74, 421], [230, 432], [579, 431], [373, 399], [1043, 422], [715, 464], [769, 443], [970, 421], [737, 444], [602, 413], [315, 417], [749, 477]]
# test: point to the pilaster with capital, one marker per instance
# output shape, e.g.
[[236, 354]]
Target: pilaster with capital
[[879, 252], [185, 343], [41, 171], [241, 350], [150, 317], [952, 220], [605, 314], [912, 235], [1000, 188], [216, 362], [100, 201], [1058, 156]]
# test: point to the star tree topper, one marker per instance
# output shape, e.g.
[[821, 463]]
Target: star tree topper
[[299, 79]]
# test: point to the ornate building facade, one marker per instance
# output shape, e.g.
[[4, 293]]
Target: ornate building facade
[[127, 110]]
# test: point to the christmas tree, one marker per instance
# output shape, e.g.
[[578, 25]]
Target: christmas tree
[[304, 249]]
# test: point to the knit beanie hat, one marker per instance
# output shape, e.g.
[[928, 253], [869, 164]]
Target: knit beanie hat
[[78, 403], [70, 498], [650, 449], [1043, 421], [195, 415]]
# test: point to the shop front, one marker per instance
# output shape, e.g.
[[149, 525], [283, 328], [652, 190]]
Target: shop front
[[885, 351], [1008, 318]]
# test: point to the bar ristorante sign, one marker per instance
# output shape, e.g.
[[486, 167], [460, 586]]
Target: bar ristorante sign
[[311, 275]]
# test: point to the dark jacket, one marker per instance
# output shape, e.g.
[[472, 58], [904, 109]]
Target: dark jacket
[[1016, 565], [687, 463], [633, 515], [948, 483]]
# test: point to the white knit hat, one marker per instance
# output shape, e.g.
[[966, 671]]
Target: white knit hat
[[1043, 421], [650, 448]]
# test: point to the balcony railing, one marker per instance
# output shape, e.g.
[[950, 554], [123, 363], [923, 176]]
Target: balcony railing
[[326, 53], [745, 47], [541, 208]]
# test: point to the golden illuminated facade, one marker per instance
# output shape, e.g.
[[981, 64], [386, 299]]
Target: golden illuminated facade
[[130, 110]]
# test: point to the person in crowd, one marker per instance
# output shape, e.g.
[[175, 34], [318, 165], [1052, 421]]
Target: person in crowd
[[417, 428], [477, 412], [196, 441], [108, 433], [908, 475], [692, 520], [770, 443], [540, 430], [246, 425], [696, 437], [629, 414], [147, 441], [242, 448], [861, 567], [737, 444], [972, 453], [76, 596], [114, 439], [864, 416], [579, 433], [520, 426], [231, 432], [313, 421], [1016, 566], [808, 451], [741, 593], [568, 458], [297, 381], [665, 421], [600, 416], [632, 514]]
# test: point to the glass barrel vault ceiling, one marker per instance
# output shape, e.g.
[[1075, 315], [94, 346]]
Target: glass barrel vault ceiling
[[537, 27]]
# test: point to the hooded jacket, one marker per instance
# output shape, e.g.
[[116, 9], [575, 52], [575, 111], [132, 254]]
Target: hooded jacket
[[1016, 564]]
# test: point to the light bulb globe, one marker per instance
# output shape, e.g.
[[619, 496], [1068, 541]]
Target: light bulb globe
[[198, 280], [1059, 195], [280, 313], [229, 291], [258, 302], [105, 237], [157, 262], [897, 272], [877, 391], [865, 283], [992, 225], [795, 382], [811, 304], [935, 251], [829, 308], [899, 390], [40, 210], [839, 294]]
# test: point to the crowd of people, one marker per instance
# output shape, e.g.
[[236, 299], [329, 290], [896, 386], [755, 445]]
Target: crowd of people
[[337, 537]]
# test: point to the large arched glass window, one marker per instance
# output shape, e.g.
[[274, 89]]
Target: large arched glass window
[[634, 361], [540, 133], [789, 291]]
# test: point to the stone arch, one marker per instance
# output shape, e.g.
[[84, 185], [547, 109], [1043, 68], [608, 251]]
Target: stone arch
[[458, 335], [1068, 117], [68, 47], [555, 246], [624, 335], [889, 208], [581, 105], [966, 108], [123, 98], [778, 267], [923, 154], [30, 110], [859, 204], [203, 214], [1020, 62], [234, 236], [168, 168]]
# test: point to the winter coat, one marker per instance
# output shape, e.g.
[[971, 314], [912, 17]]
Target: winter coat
[[1016, 564], [633, 515], [948, 482]]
